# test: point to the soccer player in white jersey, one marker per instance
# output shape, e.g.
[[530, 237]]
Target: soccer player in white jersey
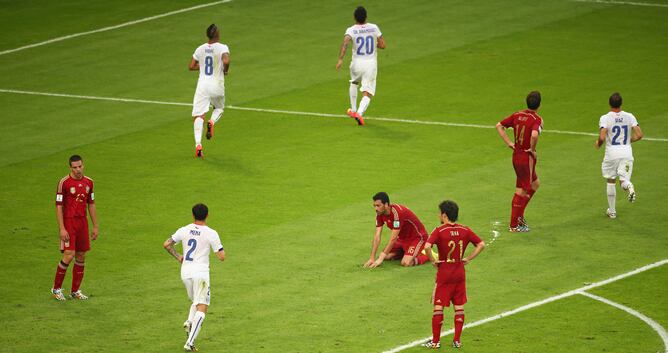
[[197, 239], [366, 37], [212, 60], [618, 129]]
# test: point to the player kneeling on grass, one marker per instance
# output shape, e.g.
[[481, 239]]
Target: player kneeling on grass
[[451, 240], [408, 234], [618, 129], [197, 239]]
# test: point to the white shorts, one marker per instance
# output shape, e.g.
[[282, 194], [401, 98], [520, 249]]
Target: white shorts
[[364, 71], [198, 289], [205, 97], [621, 167]]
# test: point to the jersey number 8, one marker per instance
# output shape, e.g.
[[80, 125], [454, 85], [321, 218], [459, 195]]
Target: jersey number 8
[[364, 43], [208, 66]]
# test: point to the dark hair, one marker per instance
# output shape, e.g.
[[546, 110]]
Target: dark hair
[[200, 211], [75, 158], [615, 100], [360, 14], [533, 100], [211, 31], [382, 196], [450, 209]]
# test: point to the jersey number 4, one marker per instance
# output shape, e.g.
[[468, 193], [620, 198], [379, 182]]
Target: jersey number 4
[[192, 243], [364, 43]]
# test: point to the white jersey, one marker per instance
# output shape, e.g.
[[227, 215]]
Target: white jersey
[[618, 140], [197, 241], [364, 38], [210, 61]]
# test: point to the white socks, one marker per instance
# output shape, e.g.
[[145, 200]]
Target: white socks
[[364, 103], [198, 319], [215, 116], [353, 97], [612, 195], [197, 126], [191, 314]]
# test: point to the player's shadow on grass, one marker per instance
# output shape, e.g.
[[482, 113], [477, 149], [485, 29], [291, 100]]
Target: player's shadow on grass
[[230, 164], [395, 132]]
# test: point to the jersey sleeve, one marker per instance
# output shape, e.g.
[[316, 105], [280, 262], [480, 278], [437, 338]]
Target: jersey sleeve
[[59, 193], [634, 121], [196, 54], [224, 49], [178, 236], [349, 32], [473, 238], [216, 245], [508, 122], [602, 123], [433, 236], [91, 195], [380, 34], [379, 221]]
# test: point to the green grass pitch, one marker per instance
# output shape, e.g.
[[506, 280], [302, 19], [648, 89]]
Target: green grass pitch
[[290, 194]]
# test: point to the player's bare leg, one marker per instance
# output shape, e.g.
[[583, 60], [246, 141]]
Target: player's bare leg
[[77, 275], [198, 124], [198, 319], [459, 326], [436, 324], [61, 271]]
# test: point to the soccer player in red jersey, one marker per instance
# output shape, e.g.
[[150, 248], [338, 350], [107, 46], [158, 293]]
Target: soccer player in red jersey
[[408, 234], [451, 240], [74, 195], [527, 125]]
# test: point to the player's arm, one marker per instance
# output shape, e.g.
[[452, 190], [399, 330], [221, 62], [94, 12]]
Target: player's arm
[[194, 65], [381, 42], [533, 142], [342, 51], [221, 255], [636, 134], [603, 132], [387, 249], [169, 246], [92, 211], [226, 63], [427, 249], [502, 133], [64, 235], [478, 248], [374, 246]]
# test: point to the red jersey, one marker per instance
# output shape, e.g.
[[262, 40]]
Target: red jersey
[[405, 220], [523, 122], [74, 195], [451, 241]]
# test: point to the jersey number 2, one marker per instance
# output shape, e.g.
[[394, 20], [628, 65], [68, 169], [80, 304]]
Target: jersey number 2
[[364, 43], [208, 66], [192, 243], [617, 130]]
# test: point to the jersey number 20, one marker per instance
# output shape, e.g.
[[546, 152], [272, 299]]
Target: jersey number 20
[[208, 66], [364, 43], [192, 243]]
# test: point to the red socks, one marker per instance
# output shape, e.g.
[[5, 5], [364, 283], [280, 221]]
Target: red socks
[[459, 324], [436, 323], [61, 270], [517, 208], [77, 275]]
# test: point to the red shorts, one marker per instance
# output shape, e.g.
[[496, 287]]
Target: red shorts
[[525, 169], [78, 230], [444, 293], [408, 247]]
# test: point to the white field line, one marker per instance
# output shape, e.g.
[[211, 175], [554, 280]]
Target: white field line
[[632, 3], [292, 112], [536, 304], [141, 20], [655, 325]]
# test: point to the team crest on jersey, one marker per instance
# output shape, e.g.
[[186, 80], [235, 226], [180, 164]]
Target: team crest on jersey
[[73, 190]]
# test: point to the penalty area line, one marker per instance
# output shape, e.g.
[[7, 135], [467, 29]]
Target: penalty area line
[[631, 3], [536, 304], [130, 23], [293, 112]]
